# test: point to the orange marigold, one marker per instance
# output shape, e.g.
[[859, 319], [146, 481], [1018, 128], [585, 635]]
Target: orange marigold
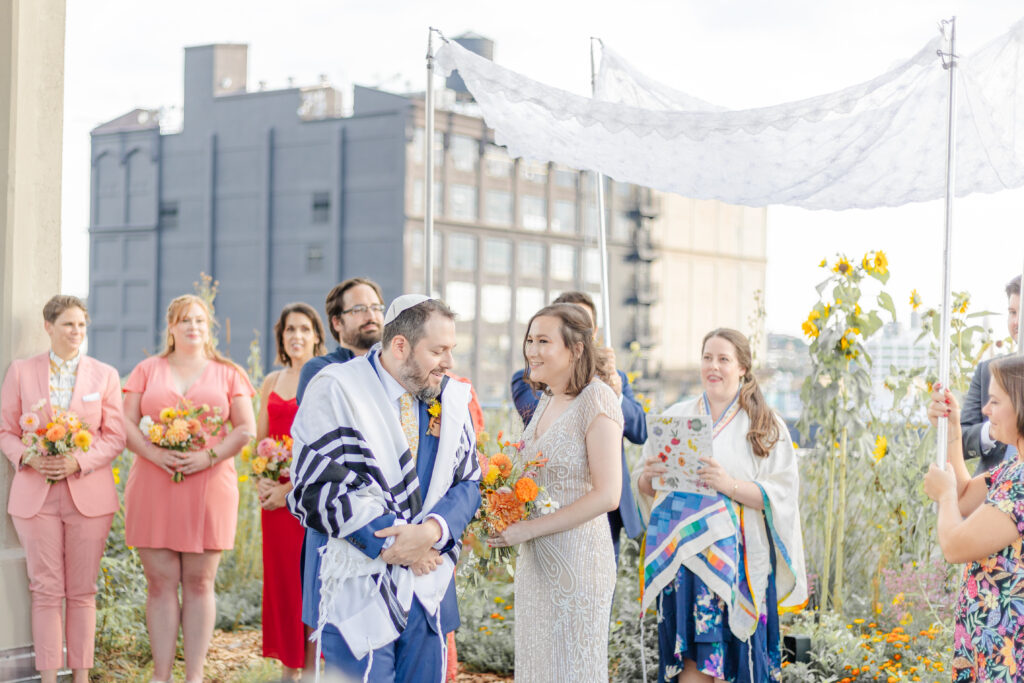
[[526, 490], [55, 432], [502, 462]]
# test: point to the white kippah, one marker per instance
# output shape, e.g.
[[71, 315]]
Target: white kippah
[[402, 303]]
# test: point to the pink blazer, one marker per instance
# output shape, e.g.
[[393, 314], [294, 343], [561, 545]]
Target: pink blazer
[[96, 400]]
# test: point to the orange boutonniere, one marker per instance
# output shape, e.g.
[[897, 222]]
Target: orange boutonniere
[[434, 426]]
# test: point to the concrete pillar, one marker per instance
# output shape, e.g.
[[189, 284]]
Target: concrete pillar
[[31, 127]]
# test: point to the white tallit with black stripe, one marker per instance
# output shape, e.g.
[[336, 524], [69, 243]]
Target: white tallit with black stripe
[[351, 465]]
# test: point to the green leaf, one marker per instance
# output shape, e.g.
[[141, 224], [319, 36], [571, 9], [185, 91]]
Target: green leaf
[[885, 301]]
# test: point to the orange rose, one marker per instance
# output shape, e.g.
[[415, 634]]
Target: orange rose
[[55, 432], [82, 440], [501, 461], [194, 426], [526, 490]]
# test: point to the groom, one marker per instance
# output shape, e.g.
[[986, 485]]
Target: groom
[[385, 465]]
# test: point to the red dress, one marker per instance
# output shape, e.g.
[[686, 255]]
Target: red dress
[[284, 636]]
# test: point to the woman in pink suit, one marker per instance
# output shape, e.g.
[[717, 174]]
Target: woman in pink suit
[[180, 528], [63, 526]]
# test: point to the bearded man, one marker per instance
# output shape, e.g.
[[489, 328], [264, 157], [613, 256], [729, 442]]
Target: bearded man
[[385, 466]]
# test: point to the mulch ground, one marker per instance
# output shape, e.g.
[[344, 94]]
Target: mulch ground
[[232, 652]]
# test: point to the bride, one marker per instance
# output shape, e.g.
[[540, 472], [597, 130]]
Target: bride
[[565, 574]]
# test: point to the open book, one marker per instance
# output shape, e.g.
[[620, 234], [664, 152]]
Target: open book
[[680, 442]]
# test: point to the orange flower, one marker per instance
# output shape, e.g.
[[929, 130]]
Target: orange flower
[[526, 490], [55, 432], [505, 509], [82, 440], [501, 461], [194, 426]]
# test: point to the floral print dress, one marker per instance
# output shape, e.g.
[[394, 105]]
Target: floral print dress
[[988, 639]]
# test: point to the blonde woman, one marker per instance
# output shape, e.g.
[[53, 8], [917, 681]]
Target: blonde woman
[[63, 525], [180, 528]]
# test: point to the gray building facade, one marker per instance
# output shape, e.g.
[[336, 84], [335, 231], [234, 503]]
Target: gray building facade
[[278, 196]]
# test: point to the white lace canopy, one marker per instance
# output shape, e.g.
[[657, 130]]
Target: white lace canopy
[[878, 143]]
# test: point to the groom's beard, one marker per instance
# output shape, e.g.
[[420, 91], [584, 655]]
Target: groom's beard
[[412, 375]]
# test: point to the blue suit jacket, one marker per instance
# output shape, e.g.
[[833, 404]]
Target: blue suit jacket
[[634, 429], [315, 365], [971, 421]]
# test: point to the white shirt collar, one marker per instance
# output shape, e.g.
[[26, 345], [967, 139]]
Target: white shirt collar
[[392, 388]]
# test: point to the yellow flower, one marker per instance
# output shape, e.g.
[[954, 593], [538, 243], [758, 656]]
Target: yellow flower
[[813, 315], [258, 465], [82, 440], [632, 377], [866, 262], [881, 263], [243, 478], [246, 452], [117, 474], [810, 329], [482, 437], [962, 308], [842, 266], [856, 310], [844, 343], [156, 432], [881, 448], [915, 299], [435, 408], [168, 414], [823, 264], [492, 474], [499, 600]]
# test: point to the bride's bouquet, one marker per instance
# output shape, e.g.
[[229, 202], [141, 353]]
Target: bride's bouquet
[[509, 494]]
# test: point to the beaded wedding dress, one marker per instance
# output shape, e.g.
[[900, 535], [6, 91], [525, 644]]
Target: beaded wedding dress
[[564, 582]]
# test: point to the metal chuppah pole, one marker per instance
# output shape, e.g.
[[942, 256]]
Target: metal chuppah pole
[[947, 248], [428, 184], [602, 238]]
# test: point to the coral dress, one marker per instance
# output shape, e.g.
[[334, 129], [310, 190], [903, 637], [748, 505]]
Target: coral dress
[[201, 512], [284, 636]]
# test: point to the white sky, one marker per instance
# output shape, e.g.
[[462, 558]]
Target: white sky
[[122, 54]]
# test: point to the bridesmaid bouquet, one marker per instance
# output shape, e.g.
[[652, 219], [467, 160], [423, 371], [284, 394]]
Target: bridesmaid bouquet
[[508, 495], [63, 434], [183, 428], [273, 459]]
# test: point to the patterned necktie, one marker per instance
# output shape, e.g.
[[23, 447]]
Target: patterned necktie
[[408, 416]]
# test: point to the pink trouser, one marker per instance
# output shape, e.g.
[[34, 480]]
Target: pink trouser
[[63, 550]]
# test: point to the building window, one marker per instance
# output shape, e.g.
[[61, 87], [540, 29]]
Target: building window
[[461, 252], [565, 177], [533, 171], [417, 207], [498, 207], [497, 256], [417, 151], [529, 300], [563, 218], [461, 297], [168, 214], [497, 162], [321, 207], [592, 266], [465, 153], [624, 191], [417, 255], [462, 202], [563, 262], [534, 211], [314, 259], [622, 224], [530, 261], [496, 303]]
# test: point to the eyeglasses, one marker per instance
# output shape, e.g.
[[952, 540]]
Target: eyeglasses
[[360, 309]]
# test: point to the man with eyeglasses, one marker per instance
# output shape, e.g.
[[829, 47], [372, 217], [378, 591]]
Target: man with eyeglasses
[[355, 313]]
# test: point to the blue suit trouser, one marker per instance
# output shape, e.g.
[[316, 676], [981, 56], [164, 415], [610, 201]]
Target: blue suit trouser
[[416, 657]]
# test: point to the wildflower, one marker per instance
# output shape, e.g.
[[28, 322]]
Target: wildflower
[[547, 506], [482, 438], [499, 600], [492, 474], [881, 263], [246, 453], [116, 471], [634, 347], [243, 478], [823, 264], [881, 448], [810, 329], [962, 308]]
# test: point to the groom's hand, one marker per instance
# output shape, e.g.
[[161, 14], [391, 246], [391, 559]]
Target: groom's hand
[[427, 564], [412, 541]]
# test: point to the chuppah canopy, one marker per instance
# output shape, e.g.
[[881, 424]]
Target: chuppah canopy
[[878, 143]]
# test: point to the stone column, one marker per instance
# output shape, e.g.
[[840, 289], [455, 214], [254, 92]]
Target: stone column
[[31, 131]]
